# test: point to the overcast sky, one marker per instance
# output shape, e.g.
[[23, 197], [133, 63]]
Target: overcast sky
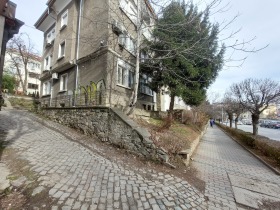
[[260, 19]]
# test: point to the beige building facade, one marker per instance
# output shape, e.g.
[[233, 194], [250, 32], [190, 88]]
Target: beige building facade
[[89, 52]]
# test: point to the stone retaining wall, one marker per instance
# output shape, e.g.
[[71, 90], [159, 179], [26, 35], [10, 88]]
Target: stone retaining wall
[[108, 125]]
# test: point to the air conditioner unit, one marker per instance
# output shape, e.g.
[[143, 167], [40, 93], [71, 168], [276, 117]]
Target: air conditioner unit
[[54, 75], [49, 43]]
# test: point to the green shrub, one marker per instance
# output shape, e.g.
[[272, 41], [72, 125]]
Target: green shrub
[[269, 150]]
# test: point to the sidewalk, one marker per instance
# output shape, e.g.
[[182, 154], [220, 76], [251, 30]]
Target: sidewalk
[[222, 163]]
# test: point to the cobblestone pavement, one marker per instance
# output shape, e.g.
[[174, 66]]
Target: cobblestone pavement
[[79, 178], [217, 157]]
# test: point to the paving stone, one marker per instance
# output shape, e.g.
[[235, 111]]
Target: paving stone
[[38, 190], [79, 176], [217, 158]]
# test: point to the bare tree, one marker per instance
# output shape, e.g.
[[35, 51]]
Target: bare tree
[[255, 95], [20, 50], [233, 108]]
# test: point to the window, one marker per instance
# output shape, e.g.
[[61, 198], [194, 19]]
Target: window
[[31, 65], [33, 75], [125, 74], [143, 86], [51, 36], [48, 61], [47, 88], [64, 19], [61, 50], [32, 86], [63, 82], [129, 7], [127, 42], [143, 56]]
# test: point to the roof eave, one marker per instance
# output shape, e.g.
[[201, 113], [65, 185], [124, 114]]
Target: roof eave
[[41, 19]]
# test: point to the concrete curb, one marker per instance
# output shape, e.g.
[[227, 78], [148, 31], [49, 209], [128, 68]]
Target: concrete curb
[[256, 156], [189, 152]]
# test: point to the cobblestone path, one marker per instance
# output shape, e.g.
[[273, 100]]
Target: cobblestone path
[[79, 178], [217, 157]]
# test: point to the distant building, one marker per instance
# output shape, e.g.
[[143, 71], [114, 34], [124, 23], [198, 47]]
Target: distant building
[[34, 70], [164, 101], [270, 112]]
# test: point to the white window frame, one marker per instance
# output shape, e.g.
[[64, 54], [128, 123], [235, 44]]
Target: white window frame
[[51, 35], [47, 88], [64, 19], [63, 82], [60, 55], [128, 42], [125, 74], [48, 62]]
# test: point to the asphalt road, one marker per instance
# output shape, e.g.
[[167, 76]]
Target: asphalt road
[[267, 132]]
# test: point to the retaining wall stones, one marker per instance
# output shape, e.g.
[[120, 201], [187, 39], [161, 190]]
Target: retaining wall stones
[[108, 124]]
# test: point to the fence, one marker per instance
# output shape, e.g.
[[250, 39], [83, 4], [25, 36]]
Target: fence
[[80, 99]]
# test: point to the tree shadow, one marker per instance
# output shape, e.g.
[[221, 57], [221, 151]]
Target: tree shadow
[[13, 125]]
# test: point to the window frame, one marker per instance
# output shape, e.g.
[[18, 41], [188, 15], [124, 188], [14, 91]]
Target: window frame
[[128, 42], [32, 86], [125, 78], [51, 35], [64, 20], [48, 62], [63, 43], [63, 83], [46, 88]]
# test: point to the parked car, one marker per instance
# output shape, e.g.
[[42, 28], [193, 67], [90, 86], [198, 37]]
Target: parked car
[[264, 124], [247, 122], [277, 126]]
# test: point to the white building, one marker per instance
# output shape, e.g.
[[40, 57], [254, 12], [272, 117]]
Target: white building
[[34, 71], [165, 101]]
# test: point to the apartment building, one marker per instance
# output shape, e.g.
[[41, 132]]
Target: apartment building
[[13, 60], [89, 52]]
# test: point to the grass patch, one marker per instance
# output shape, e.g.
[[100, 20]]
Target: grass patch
[[22, 103], [12, 177], [173, 140]]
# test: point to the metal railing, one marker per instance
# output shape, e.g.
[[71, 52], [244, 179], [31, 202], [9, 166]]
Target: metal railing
[[77, 100]]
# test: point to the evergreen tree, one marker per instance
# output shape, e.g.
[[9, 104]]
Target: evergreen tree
[[186, 56], [9, 82]]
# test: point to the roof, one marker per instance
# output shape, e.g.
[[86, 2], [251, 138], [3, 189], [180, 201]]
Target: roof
[[31, 55]]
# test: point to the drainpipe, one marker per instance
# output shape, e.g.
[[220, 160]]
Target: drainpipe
[[78, 49]]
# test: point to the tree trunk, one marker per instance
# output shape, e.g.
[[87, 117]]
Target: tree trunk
[[25, 79], [255, 122], [133, 98], [20, 78], [169, 119], [235, 122], [230, 117], [170, 112]]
